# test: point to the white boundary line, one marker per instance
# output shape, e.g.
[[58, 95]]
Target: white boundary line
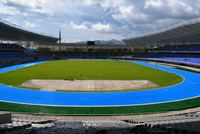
[[130, 105]]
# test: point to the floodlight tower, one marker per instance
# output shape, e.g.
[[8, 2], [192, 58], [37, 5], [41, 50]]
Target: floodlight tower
[[60, 39], [60, 36]]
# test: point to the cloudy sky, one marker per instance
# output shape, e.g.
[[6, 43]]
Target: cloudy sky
[[97, 19]]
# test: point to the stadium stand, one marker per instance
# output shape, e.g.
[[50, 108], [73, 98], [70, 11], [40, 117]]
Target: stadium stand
[[186, 32], [13, 54], [8, 46], [175, 44], [170, 124], [177, 53], [11, 32], [84, 51], [180, 47], [188, 58], [178, 124]]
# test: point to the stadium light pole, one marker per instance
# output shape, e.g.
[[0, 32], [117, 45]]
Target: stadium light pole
[[60, 38]]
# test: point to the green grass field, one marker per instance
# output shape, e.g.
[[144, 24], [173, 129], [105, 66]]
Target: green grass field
[[89, 70], [123, 110]]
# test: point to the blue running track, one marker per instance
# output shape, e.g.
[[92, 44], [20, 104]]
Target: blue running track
[[189, 88]]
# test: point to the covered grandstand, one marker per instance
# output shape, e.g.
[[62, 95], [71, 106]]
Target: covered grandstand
[[13, 38], [10, 32], [179, 43], [187, 32]]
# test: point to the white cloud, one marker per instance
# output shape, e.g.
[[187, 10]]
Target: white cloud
[[8, 10], [172, 7], [88, 2], [30, 24], [130, 15], [33, 5], [124, 11], [121, 17], [100, 27], [180, 7], [78, 26], [97, 27], [154, 3]]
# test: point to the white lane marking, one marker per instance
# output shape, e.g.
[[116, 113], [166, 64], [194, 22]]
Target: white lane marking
[[29, 65]]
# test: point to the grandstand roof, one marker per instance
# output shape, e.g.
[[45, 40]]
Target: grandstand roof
[[186, 32], [12, 32]]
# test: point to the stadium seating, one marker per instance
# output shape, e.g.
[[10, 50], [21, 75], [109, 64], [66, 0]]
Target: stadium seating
[[83, 54], [191, 60], [172, 124], [175, 58], [177, 124], [8, 46], [173, 53], [189, 47], [13, 54]]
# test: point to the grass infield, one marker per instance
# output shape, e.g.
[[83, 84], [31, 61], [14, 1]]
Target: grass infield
[[89, 70]]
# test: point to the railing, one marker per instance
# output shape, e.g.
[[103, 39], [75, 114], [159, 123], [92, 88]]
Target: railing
[[122, 117]]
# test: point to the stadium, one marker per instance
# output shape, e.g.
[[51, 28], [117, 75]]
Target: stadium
[[150, 84]]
